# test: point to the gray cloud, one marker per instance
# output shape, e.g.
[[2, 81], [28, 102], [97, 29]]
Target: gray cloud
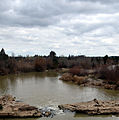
[[44, 13], [45, 25]]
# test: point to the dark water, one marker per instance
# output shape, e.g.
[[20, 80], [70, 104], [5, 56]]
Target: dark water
[[44, 89]]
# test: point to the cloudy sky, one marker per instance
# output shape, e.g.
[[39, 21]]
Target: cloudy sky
[[89, 27]]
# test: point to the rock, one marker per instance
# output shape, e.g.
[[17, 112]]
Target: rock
[[48, 111], [47, 114], [14, 109], [79, 79], [67, 77], [64, 70], [109, 86], [94, 107], [27, 108], [95, 100]]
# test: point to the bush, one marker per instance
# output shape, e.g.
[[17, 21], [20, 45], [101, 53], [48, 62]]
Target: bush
[[8, 66], [49, 63], [40, 64], [12, 65], [75, 71], [25, 66], [110, 74]]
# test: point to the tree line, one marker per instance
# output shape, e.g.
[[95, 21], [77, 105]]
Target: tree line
[[12, 64]]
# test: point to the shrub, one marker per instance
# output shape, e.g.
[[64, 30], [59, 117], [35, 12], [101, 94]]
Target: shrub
[[12, 65], [40, 64], [25, 66], [49, 63], [85, 64], [110, 74], [75, 70]]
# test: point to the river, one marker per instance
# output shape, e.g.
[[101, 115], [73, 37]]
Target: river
[[45, 89]]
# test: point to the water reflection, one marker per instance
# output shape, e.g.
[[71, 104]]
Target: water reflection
[[44, 89]]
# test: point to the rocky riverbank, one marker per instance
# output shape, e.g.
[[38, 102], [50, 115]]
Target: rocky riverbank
[[94, 107], [11, 108], [88, 81]]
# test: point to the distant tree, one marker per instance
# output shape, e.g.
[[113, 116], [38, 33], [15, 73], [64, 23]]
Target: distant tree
[[92, 59], [69, 57], [49, 63], [93, 65], [12, 65], [116, 60], [52, 54], [54, 59], [98, 60], [2, 52], [3, 55], [55, 62], [105, 58], [35, 55]]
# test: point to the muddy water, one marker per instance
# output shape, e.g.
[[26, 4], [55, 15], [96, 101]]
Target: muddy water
[[45, 89]]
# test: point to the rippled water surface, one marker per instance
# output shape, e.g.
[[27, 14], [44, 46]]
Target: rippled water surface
[[45, 89]]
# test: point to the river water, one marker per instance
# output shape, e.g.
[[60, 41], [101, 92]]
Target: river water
[[45, 89]]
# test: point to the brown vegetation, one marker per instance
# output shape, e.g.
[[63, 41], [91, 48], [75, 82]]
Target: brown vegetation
[[40, 64], [110, 74], [23, 66], [74, 78], [77, 65], [75, 70]]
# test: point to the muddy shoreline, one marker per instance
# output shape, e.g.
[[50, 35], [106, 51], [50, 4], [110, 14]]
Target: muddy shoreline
[[88, 81]]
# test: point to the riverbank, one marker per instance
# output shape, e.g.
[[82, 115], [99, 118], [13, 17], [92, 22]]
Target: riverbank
[[89, 80]]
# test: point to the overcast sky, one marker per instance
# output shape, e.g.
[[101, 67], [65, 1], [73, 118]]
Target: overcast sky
[[89, 27]]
